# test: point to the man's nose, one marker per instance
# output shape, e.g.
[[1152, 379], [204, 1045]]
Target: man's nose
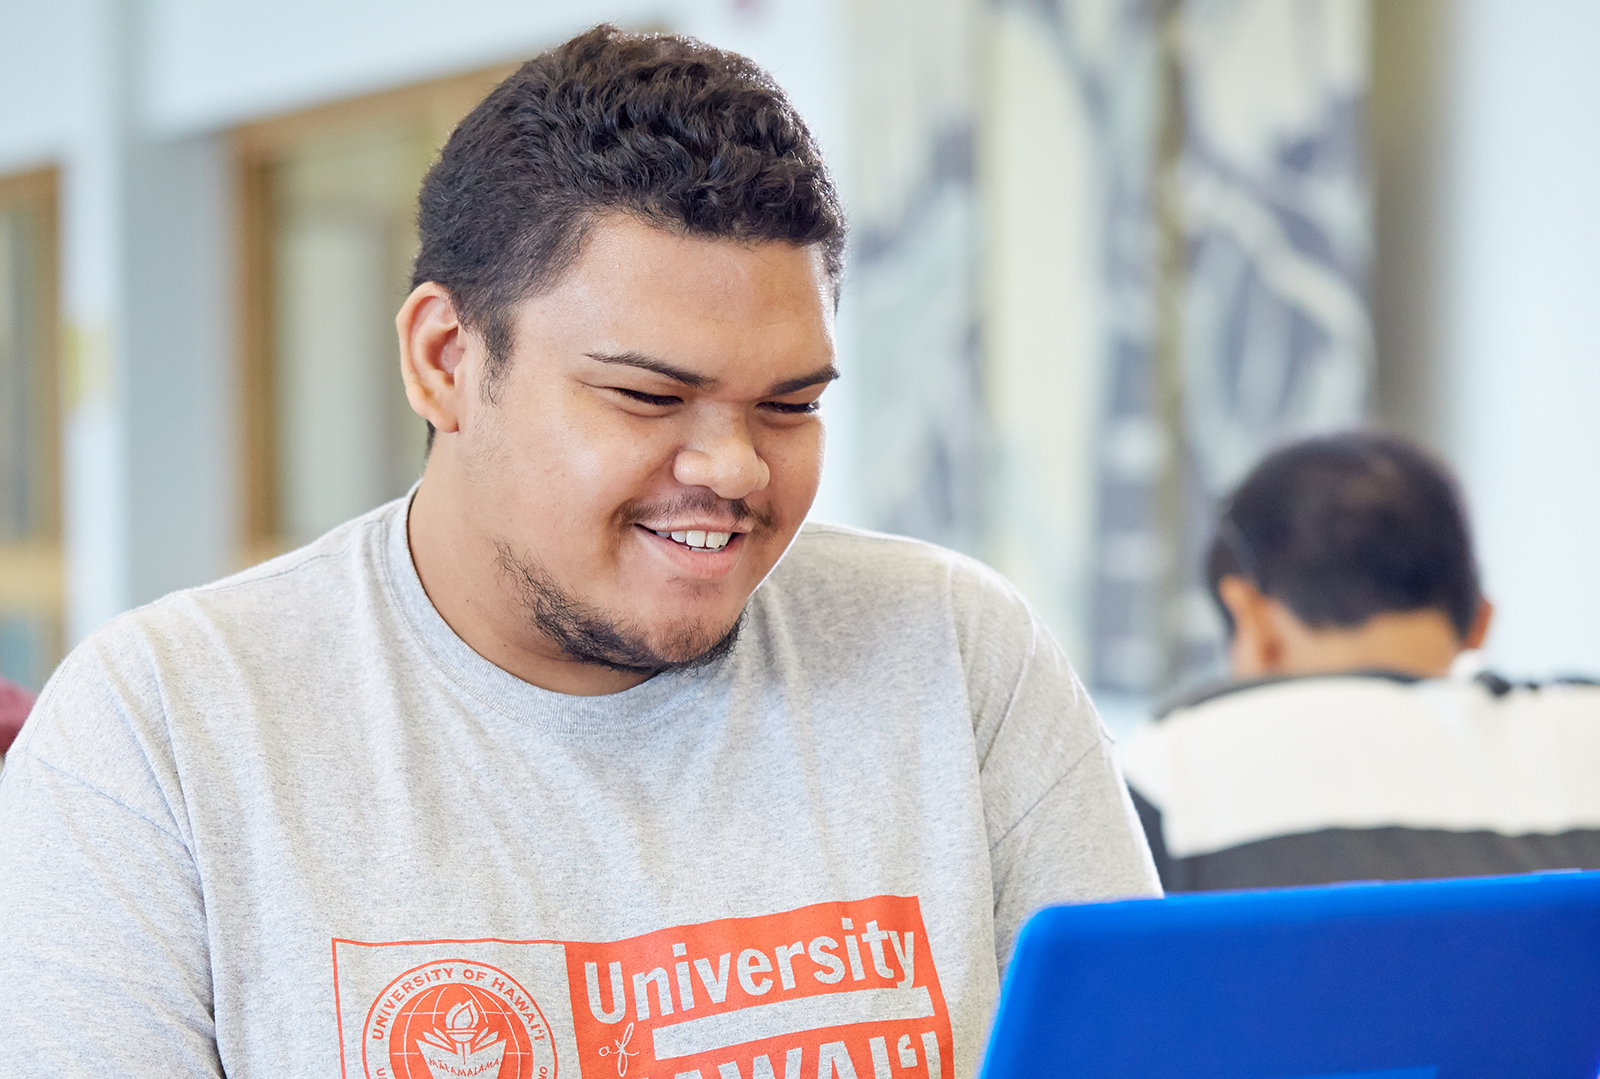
[[722, 456]]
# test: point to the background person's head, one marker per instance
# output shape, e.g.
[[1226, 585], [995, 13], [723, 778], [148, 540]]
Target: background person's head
[[621, 321], [1344, 553]]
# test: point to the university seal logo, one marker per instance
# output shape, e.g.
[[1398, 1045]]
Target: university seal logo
[[456, 1019]]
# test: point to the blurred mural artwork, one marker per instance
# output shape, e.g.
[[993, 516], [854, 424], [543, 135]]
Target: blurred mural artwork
[[912, 291], [1263, 328], [1256, 228], [1215, 153]]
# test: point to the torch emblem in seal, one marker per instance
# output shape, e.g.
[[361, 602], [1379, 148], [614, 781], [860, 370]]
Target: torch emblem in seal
[[457, 1019]]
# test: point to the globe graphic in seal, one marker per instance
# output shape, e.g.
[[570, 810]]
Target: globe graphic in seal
[[472, 1021]]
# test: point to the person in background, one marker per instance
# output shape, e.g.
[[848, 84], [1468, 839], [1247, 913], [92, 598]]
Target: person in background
[[1356, 741], [15, 704]]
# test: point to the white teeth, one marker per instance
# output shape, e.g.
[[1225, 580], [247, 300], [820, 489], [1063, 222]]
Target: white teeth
[[701, 541]]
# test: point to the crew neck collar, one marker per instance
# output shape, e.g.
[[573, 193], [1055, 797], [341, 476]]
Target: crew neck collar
[[561, 713]]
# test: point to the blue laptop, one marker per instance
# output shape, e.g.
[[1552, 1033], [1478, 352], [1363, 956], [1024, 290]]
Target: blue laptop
[[1486, 978]]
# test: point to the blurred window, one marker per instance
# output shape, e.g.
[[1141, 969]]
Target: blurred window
[[31, 590], [329, 232]]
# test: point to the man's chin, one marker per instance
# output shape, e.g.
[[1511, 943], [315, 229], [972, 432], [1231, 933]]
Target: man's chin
[[620, 648], [592, 634]]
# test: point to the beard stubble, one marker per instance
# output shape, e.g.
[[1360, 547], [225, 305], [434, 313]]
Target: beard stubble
[[590, 635]]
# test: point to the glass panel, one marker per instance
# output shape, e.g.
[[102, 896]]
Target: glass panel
[[343, 237]]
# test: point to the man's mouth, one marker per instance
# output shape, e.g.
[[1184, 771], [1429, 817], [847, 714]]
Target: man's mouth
[[696, 540]]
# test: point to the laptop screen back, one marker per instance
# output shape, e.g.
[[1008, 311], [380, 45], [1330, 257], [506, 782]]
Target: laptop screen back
[[1490, 977]]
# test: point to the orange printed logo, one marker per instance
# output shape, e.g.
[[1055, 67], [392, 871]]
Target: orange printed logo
[[831, 991], [455, 1018]]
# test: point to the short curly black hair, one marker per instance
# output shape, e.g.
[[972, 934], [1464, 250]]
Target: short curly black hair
[[1343, 527], [667, 129]]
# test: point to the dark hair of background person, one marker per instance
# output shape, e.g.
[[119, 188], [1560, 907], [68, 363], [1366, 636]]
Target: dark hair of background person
[[681, 135], [1344, 527]]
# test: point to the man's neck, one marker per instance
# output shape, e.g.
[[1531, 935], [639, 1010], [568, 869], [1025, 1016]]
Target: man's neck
[[1419, 643], [458, 567]]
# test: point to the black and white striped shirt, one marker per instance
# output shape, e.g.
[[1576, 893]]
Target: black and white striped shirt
[[1368, 776]]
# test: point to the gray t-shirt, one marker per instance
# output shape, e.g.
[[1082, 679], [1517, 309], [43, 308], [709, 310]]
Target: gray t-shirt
[[291, 824]]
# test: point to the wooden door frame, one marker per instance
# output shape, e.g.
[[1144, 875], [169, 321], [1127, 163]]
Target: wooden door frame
[[438, 105], [33, 571]]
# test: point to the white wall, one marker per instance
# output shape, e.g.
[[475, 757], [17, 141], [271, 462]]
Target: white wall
[[1521, 319], [201, 66], [211, 64], [38, 100]]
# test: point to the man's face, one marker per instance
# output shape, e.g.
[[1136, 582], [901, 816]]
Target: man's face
[[654, 445]]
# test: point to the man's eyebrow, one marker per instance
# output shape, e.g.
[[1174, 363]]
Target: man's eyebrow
[[660, 367], [695, 381], [794, 385]]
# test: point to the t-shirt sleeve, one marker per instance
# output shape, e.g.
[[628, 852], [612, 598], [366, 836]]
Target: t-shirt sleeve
[[104, 964], [1062, 827]]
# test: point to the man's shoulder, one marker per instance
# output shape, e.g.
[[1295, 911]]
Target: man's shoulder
[[821, 537], [1300, 695], [895, 599], [1358, 723], [190, 652], [1382, 696], [1375, 774], [830, 559], [1224, 728], [293, 593]]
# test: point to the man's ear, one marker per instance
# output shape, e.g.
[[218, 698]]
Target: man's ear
[[1257, 646], [1480, 625], [432, 345]]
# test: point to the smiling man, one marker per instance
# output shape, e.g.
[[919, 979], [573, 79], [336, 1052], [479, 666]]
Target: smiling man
[[625, 478], [587, 757]]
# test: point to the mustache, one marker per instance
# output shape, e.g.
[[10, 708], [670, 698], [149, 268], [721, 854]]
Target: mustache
[[701, 501]]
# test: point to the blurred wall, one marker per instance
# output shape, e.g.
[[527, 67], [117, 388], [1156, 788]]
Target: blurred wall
[[134, 101], [1045, 314], [40, 105], [1488, 294], [975, 165]]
